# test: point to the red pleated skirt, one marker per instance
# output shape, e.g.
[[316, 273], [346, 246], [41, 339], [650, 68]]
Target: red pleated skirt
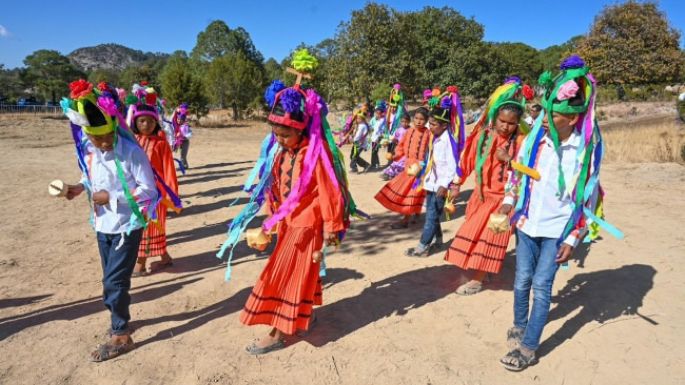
[[475, 246], [153, 243], [398, 196], [289, 286]]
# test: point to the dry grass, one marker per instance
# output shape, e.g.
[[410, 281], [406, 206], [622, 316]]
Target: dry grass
[[660, 142]]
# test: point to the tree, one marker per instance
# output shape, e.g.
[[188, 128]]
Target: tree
[[234, 80], [50, 73], [552, 56], [11, 86], [148, 71], [521, 59], [272, 70], [101, 74], [632, 43], [476, 69], [181, 84], [218, 40]]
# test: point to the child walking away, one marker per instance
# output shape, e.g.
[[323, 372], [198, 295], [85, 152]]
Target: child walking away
[[182, 133], [400, 194], [147, 129], [552, 213], [441, 168], [119, 182], [397, 166], [359, 142], [475, 246], [394, 114], [378, 128], [302, 180]]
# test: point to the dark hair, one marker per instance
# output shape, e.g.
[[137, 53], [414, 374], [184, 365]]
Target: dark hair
[[515, 108], [406, 117], [536, 107], [145, 107], [421, 111]]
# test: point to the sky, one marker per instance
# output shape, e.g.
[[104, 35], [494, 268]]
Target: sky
[[276, 27]]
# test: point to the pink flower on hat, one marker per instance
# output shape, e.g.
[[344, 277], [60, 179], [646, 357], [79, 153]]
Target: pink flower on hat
[[567, 90]]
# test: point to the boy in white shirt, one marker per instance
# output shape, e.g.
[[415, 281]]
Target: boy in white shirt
[[120, 183], [553, 210], [436, 181], [378, 129]]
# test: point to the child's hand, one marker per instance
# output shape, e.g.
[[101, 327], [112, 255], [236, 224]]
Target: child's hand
[[317, 256], [101, 197], [454, 191], [505, 209], [564, 253], [330, 239], [442, 192], [74, 190], [502, 155]]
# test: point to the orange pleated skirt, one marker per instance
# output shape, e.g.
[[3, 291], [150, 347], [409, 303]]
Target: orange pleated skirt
[[289, 286], [153, 243], [398, 196], [475, 246]]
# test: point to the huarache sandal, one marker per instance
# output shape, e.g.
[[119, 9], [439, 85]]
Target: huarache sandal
[[108, 350], [256, 350], [517, 361], [414, 252], [470, 288]]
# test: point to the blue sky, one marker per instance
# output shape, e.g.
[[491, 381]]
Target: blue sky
[[276, 27]]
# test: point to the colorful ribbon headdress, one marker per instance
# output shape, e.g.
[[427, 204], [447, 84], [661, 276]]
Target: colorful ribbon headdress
[[283, 103], [395, 100]]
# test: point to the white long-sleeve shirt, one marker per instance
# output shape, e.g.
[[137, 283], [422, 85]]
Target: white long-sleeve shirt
[[114, 217], [444, 165], [360, 135], [548, 213], [378, 129]]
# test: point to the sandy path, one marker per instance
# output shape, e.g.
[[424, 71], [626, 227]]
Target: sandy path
[[386, 319]]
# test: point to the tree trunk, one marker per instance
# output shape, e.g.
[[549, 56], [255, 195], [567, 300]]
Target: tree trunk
[[235, 111]]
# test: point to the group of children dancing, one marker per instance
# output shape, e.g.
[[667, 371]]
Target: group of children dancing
[[538, 179]]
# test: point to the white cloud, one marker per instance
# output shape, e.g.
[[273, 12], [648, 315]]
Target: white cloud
[[4, 32]]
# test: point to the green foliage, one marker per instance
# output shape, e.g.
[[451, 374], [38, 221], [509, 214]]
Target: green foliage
[[182, 84], [148, 71], [104, 75], [632, 43], [11, 85], [218, 40], [236, 81], [552, 56], [521, 59], [50, 73]]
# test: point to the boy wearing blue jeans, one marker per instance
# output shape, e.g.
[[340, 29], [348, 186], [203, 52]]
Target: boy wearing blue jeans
[[436, 181], [551, 210], [119, 181]]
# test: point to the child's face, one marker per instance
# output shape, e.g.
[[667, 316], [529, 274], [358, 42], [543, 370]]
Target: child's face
[[564, 123], [437, 127], [405, 122], [419, 121], [146, 124], [506, 123], [534, 113], [379, 114], [287, 137], [103, 142]]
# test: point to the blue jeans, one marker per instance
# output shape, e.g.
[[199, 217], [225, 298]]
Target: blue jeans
[[431, 227], [117, 267], [536, 268]]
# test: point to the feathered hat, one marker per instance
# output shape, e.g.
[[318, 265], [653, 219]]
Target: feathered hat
[[396, 100], [380, 105], [89, 108]]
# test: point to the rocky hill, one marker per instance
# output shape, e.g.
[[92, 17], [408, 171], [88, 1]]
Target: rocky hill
[[109, 56]]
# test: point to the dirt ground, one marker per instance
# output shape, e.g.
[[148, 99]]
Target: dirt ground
[[617, 315]]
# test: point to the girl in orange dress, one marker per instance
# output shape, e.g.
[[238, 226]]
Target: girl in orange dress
[[495, 136], [303, 184], [399, 194], [145, 125]]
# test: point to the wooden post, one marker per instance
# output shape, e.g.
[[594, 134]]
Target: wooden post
[[299, 75]]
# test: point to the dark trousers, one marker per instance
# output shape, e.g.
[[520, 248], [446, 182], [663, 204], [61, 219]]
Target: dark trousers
[[431, 228], [391, 149], [185, 145], [375, 162], [356, 158], [117, 267]]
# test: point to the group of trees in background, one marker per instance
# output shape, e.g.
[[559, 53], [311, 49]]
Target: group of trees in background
[[628, 44]]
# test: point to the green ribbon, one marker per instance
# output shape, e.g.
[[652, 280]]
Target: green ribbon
[[127, 193]]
